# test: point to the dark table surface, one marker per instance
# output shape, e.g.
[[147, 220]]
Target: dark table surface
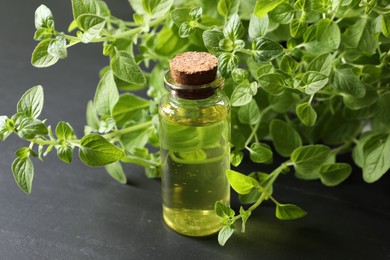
[[76, 212]]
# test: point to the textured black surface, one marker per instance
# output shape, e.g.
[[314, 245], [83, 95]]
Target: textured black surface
[[76, 212]]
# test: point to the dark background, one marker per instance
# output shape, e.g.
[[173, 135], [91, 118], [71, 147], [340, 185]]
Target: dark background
[[76, 212]]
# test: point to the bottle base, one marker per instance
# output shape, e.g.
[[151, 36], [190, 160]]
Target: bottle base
[[194, 223]]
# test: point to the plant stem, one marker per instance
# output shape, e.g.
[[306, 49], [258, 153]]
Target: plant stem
[[264, 192], [128, 130], [254, 130], [44, 142]]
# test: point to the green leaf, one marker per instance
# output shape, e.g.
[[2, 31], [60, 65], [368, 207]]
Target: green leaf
[[254, 195], [115, 170], [314, 81], [29, 128], [92, 25], [226, 45], [211, 39], [227, 62], [289, 212], [57, 47], [40, 57], [157, 8], [106, 95], [260, 153], [245, 214], [264, 49], [360, 36], [302, 4], [367, 142], [289, 65], [64, 131], [376, 161], [264, 69], [65, 153], [227, 8], [223, 210], [6, 127], [355, 103], [258, 26], [306, 114], [43, 34], [344, 80], [283, 103], [92, 117], [321, 64], [225, 233], [262, 7], [125, 68], [185, 30], [23, 170], [31, 103], [273, 83], [43, 18], [168, 42], [239, 75], [236, 157], [334, 174], [196, 14], [107, 125], [97, 151], [298, 27], [80, 7], [285, 138], [241, 95], [23, 152], [250, 113], [283, 13], [382, 115], [386, 25], [328, 32], [127, 106], [241, 183], [308, 159], [233, 28], [180, 16]]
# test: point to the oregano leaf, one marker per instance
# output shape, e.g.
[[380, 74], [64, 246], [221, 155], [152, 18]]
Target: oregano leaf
[[233, 28], [43, 18], [97, 151], [115, 170], [41, 57], [225, 233], [92, 25], [334, 174], [260, 153], [23, 170], [306, 114], [125, 68], [31, 103], [262, 7], [285, 138], [241, 183], [289, 212], [106, 95]]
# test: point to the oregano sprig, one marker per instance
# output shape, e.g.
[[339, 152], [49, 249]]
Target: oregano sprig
[[306, 79]]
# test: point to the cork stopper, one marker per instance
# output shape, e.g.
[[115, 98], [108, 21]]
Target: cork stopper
[[194, 68]]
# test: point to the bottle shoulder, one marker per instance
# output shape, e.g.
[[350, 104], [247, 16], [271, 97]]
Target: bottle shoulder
[[195, 112]]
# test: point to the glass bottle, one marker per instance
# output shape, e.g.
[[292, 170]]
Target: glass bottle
[[194, 140]]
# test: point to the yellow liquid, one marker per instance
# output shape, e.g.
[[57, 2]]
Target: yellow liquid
[[195, 157]]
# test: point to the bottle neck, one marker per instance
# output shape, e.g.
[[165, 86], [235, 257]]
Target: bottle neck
[[192, 92]]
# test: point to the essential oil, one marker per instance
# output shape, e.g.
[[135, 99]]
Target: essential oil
[[194, 140]]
